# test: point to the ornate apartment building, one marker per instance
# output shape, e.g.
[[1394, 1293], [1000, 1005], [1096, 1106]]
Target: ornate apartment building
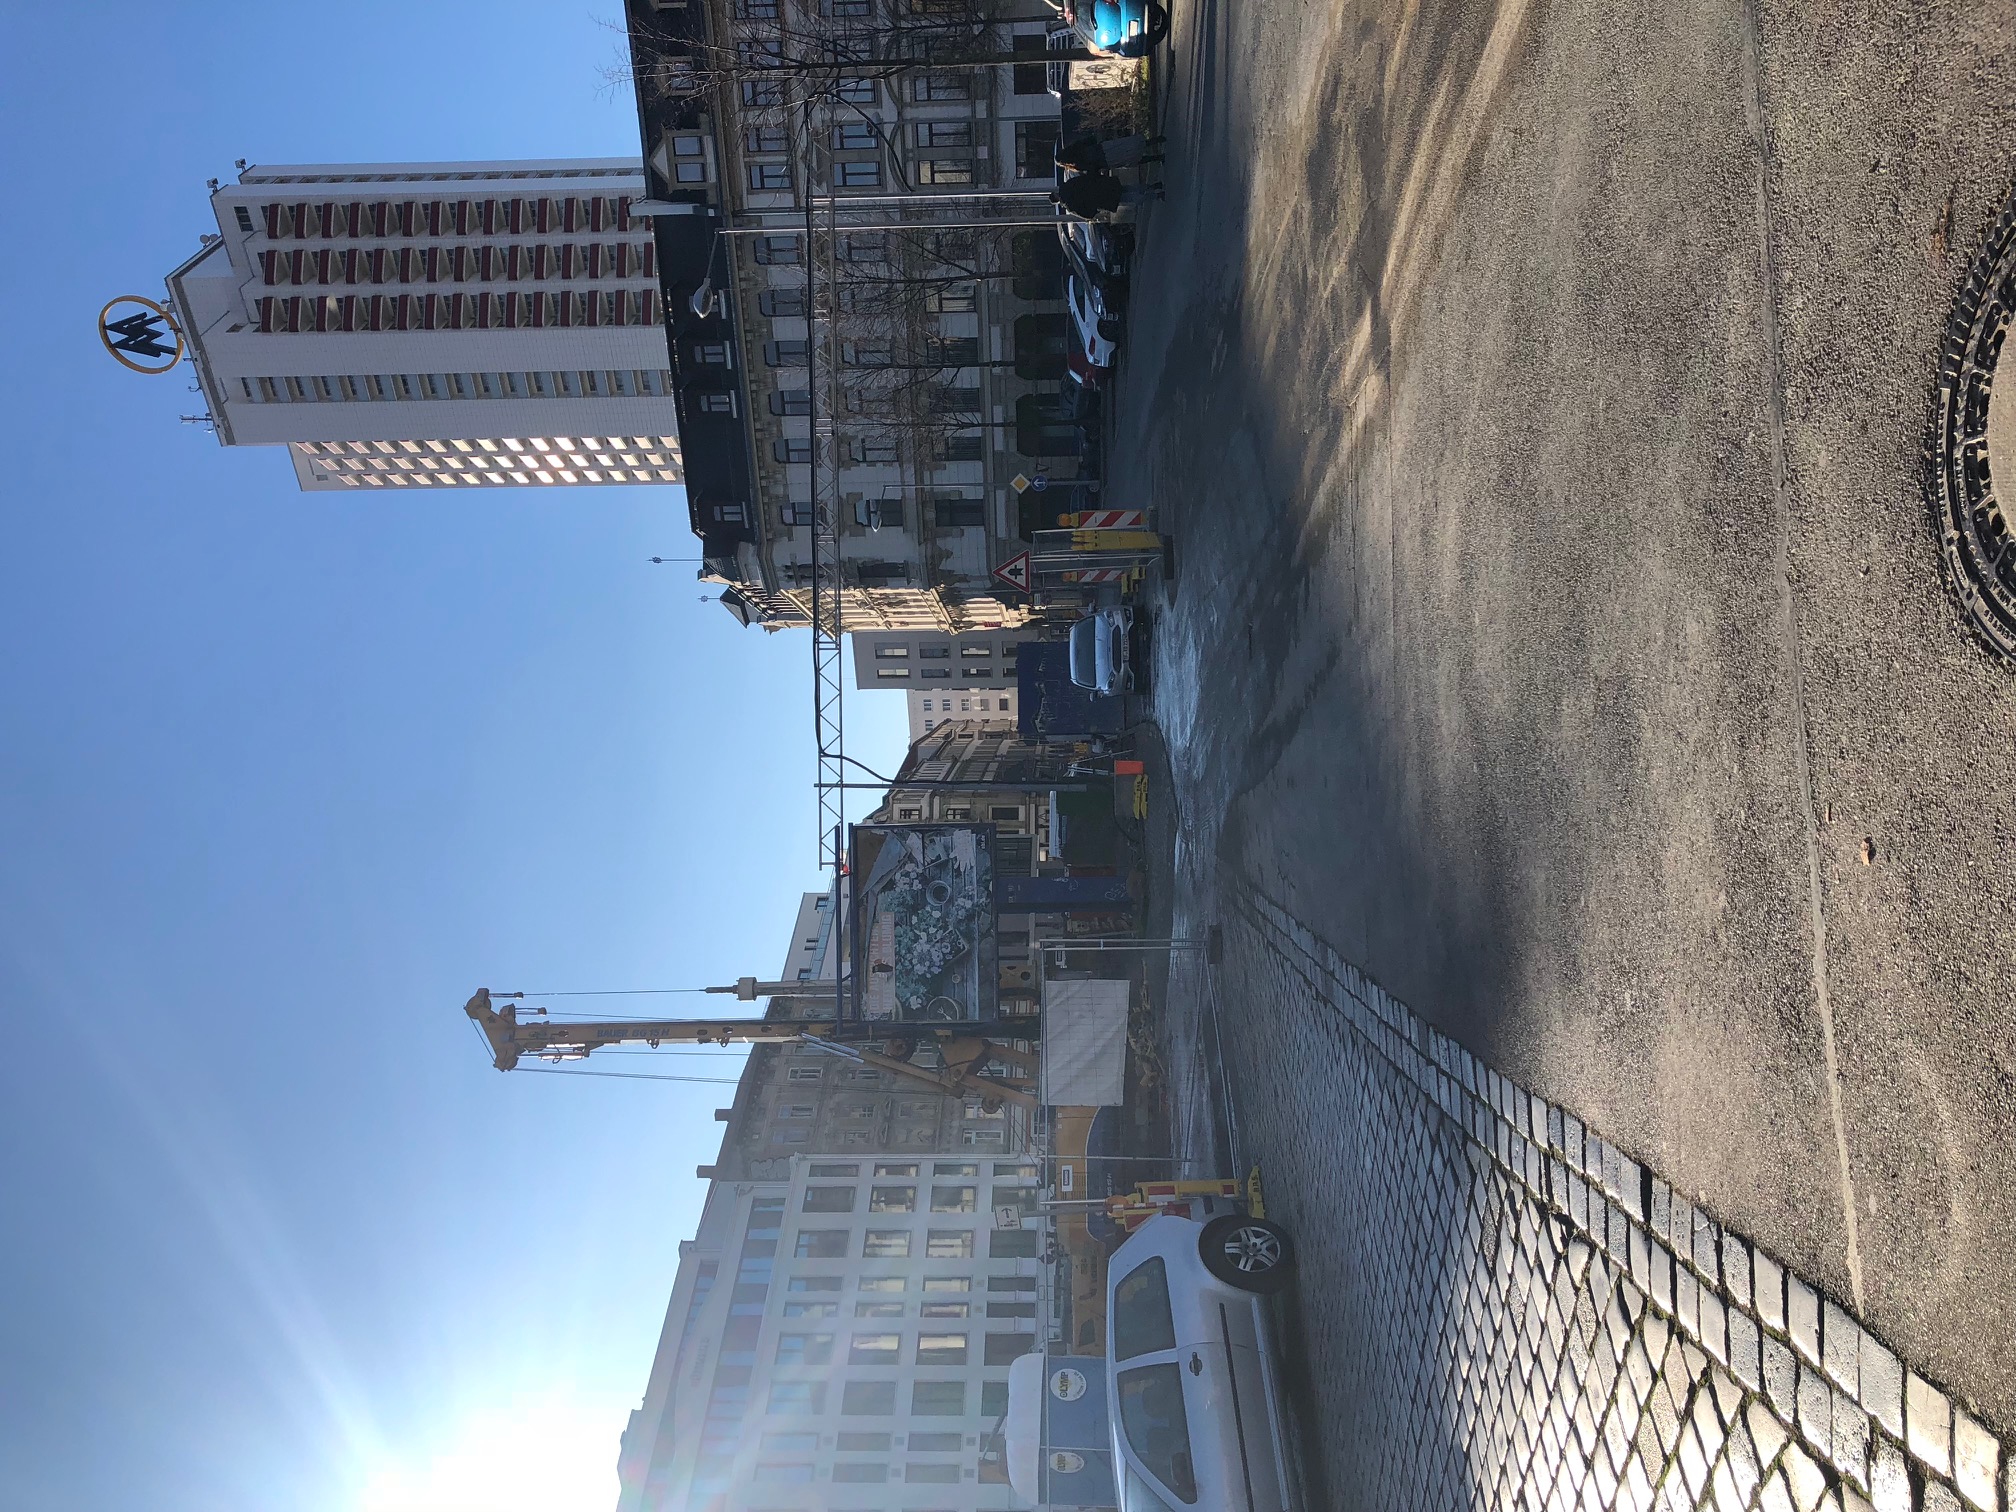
[[863, 284]]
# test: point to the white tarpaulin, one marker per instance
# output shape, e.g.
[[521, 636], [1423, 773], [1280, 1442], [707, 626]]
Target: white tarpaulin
[[1084, 1044]]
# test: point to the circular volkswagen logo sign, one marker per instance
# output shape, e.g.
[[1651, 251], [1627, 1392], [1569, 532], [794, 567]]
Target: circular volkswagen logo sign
[[140, 334], [1067, 1385]]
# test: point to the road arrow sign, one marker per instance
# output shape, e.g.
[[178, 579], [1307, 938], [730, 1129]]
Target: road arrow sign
[[1014, 572]]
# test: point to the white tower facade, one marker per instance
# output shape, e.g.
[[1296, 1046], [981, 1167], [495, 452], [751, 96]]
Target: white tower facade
[[436, 324]]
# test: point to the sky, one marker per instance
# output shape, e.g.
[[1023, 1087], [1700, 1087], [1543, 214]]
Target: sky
[[284, 777]]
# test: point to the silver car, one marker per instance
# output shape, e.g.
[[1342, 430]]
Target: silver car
[[1100, 655], [1193, 1392]]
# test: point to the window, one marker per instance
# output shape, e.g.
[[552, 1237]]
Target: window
[[931, 1475], [1035, 149], [793, 515], [789, 1136], [954, 1283], [786, 302], [717, 404], [876, 513], [1011, 1244], [821, 1244], [855, 136], [888, 1244], [882, 1283], [979, 1138], [712, 353], [1001, 813], [765, 176], [868, 1399], [1033, 77], [945, 86], [878, 1309], [945, 1310], [994, 1400], [855, 92], [877, 449], [958, 514], [804, 1349], [863, 1443], [969, 446], [798, 1396], [782, 1473], [826, 1283], [892, 1199], [790, 1443], [834, 1170], [955, 1199], [952, 299], [786, 353], [942, 170], [860, 1472], [898, 1168], [829, 1199], [1011, 1309], [941, 1349], [1003, 1348], [766, 138], [775, 250], [761, 92], [691, 172], [791, 402], [792, 449], [893, 653], [811, 1309], [874, 1349], [944, 133], [966, 1169], [934, 1443], [1152, 1417], [803, 1073], [944, 1398], [866, 175], [795, 1110], [890, 674], [949, 1244]]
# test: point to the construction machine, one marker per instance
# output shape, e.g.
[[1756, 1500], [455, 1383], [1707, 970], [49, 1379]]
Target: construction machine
[[965, 1047]]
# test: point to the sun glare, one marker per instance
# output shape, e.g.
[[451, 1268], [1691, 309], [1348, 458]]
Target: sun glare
[[520, 1461]]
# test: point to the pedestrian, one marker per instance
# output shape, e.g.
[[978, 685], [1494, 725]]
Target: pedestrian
[[1087, 154], [1091, 195]]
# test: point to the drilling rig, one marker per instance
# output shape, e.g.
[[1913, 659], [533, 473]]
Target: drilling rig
[[966, 1048]]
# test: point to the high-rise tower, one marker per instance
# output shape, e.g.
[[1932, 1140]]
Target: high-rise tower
[[435, 324]]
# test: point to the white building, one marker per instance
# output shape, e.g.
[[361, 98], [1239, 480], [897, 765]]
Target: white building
[[988, 710], [435, 324], [840, 1341]]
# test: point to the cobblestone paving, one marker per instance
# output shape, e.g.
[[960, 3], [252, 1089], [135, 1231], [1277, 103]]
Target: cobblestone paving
[[1499, 1309]]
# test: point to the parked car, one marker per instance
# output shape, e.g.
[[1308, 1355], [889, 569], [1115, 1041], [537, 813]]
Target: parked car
[[1101, 658], [1193, 1382], [1089, 253], [1098, 328], [1124, 28]]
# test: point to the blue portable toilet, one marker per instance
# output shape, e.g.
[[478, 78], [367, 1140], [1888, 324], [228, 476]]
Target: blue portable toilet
[[1057, 1440]]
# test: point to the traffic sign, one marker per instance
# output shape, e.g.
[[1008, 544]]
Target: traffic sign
[[1014, 572], [1022, 482]]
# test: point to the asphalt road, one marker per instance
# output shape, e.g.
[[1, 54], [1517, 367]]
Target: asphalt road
[[1536, 391]]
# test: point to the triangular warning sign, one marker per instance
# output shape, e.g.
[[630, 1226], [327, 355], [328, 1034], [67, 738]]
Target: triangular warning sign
[[1014, 572]]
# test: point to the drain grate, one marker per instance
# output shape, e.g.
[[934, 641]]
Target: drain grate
[[1973, 441]]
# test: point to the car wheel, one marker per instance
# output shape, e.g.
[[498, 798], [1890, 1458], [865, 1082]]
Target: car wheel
[[1158, 25], [1249, 1253], [1110, 329]]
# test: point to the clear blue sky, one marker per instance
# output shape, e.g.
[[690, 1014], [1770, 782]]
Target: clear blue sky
[[284, 778]]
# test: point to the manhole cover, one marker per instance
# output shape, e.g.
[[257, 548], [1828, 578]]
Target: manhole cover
[[1974, 441]]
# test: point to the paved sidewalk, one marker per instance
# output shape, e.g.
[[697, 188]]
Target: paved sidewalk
[[1499, 1309]]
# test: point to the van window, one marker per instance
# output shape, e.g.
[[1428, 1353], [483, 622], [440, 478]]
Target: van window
[[1141, 1320]]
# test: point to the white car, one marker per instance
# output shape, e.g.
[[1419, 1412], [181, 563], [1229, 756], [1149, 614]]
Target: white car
[[1100, 659], [1098, 328], [1192, 1382]]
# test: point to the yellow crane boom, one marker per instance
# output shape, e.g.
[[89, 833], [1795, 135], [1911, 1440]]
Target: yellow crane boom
[[966, 1047]]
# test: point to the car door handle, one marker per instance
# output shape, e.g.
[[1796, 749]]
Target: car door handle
[[1196, 1364]]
